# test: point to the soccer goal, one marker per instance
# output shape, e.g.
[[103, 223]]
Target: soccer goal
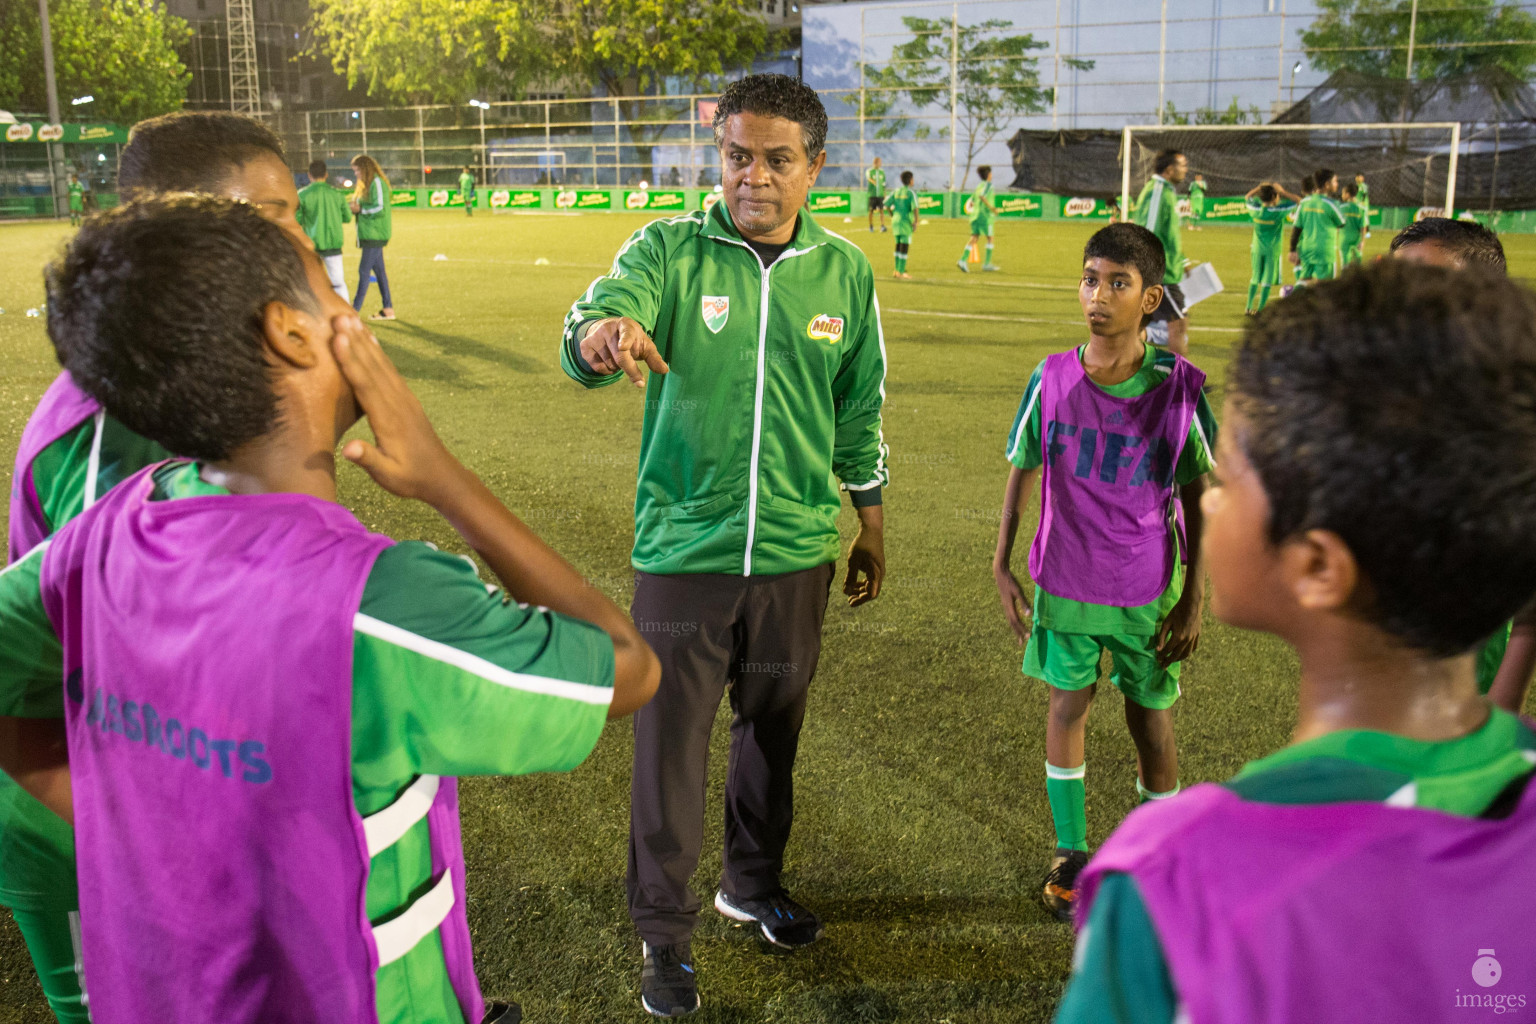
[[1404, 164]]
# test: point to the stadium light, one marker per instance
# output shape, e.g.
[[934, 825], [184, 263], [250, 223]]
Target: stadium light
[[78, 100], [1294, 68], [480, 103]]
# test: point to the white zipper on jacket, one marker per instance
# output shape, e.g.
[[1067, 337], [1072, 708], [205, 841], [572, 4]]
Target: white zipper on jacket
[[757, 400]]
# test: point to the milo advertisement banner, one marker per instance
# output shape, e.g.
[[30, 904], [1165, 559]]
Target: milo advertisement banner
[[402, 197], [1011, 204], [650, 199], [1085, 208], [583, 199], [829, 202], [33, 132], [931, 204], [445, 197], [516, 199]]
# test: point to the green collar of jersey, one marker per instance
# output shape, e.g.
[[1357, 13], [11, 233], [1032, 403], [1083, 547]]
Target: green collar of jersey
[[1143, 380], [1461, 776], [183, 479]]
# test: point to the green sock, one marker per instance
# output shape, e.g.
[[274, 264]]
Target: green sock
[[901, 264], [989, 254], [1253, 290], [1146, 794], [1263, 297], [1069, 797], [965, 254]]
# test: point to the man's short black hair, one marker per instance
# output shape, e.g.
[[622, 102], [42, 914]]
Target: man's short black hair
[[191, 151], [1166, 159], [1267, 194], [1307, 184], [771, 95], [906, 177], [1472, 243], [984, 172], [1349, 189], [1131, 245], [156, 310], [1321, 177], [318, 170], [1394, 407]]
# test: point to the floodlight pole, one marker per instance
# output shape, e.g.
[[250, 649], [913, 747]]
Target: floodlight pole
[[1125, 172], [862, 162], [1450, 177], [1413, 25], [1162, 60], [954, 88], [54, 157]]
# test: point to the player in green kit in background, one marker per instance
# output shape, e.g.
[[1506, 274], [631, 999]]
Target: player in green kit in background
[[1363, 195], [467, 190], [1196, 202], [903, 221], [322, 211], [1157, 210], [1354, 225], [76, 200], [874, 180], [983, 216], [1269, 205], [1315, 238]]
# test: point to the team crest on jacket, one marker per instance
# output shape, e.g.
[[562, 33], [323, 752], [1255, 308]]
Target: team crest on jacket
[[828, 328], [717, 310]]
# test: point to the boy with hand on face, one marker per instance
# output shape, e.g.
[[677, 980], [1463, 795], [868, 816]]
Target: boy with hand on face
[[262, 786], [1387, 849], [1116, 433]]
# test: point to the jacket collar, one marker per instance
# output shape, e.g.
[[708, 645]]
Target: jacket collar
[[718, 224]]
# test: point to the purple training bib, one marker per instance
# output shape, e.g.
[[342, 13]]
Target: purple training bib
[[1333, 913], [1108, 498], [62, 408], [208, 687]]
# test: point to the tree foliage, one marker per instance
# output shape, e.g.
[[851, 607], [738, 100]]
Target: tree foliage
[[995, 80], [123, 52], [1452, 38], [1234, 113]]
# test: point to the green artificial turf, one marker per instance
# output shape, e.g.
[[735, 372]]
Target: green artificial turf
[[922, 829]]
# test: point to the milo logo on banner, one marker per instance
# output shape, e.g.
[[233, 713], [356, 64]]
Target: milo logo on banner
[[1017, 205], [19, 133], [709, 200], [566, 199], [502, 197], [50, 133], [1080, 208], [648, 200], [402, 197], [437, 197], [1428, 211], [1183, 208], [829, 202]]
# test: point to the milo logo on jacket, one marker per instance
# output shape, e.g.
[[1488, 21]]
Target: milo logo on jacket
[[825, 327]]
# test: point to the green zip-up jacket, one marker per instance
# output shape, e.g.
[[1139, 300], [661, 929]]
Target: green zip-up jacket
[[322, 211], [1157, 210], [373, 215], [774, 396]]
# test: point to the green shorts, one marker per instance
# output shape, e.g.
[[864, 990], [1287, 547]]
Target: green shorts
[[1265, 268], [1352, 254], [1308, 270], [1070, 661], [982, 226]]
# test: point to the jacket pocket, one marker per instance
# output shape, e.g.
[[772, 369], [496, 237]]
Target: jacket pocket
[[693, 508]]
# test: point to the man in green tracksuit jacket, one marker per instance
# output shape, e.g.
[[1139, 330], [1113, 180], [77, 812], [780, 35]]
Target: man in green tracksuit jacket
[[763, 401], [322, 211], [1157, 210]]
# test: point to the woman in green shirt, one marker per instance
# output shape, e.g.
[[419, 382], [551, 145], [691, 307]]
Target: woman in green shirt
[[370, 202]]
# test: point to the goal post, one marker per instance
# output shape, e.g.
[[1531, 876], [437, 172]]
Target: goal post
[[1404, 164]]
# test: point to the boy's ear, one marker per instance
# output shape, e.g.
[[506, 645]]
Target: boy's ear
[[1321, 571], [293, 335], [1151, 299]]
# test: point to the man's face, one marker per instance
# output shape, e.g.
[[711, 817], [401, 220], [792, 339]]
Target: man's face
[[265, 182], [1113, 297], [1331, 186], [877, 161], [766, 173], [1177, 171], [1246, 584]]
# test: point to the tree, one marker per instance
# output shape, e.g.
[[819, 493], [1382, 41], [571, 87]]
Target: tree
[[1233, 114], [123, 52], [448, 51], [995, 80], [1452, 38]]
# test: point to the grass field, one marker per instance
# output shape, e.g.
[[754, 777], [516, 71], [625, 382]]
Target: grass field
[[922, 827]]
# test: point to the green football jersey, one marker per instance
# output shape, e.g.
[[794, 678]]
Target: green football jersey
[[76, 196], [1120, 974], [1197, 458], [1157, 210], [322, 211], [980, 206], [1320, 220], [432, 650], [1268, 224], [875, 179], [903, 207], [1354, 225]]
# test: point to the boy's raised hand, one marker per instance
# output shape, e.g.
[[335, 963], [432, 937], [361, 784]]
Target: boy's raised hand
[[407, 458]]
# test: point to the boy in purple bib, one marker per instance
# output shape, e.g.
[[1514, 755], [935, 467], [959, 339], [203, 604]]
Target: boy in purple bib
[[73, 453], [1375, 511], [265, 705], [1119, 433]]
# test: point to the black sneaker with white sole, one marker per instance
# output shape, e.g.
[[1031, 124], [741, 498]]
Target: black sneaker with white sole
[[784, 922], [667, 985], [502, 1013]]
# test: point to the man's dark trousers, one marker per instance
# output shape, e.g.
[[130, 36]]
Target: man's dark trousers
[[762, 636]]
